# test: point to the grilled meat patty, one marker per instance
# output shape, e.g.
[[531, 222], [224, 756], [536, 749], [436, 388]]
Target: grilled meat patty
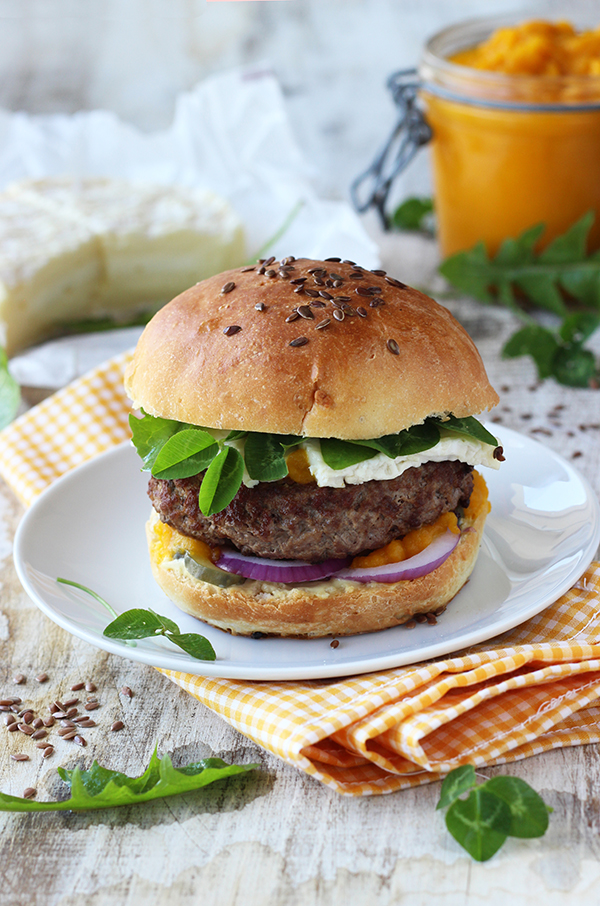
[[284, 520]]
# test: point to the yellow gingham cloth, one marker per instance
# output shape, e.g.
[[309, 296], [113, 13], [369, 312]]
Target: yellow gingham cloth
[[383, 731]]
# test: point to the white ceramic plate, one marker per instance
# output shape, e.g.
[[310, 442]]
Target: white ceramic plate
[[542, 533]]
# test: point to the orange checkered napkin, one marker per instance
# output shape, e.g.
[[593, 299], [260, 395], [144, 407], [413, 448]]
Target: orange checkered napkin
[[538, 690]]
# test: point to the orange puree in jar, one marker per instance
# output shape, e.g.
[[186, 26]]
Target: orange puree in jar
[[516, 130]]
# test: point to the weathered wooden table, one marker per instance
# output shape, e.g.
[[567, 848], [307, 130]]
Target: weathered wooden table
[[275, 836]]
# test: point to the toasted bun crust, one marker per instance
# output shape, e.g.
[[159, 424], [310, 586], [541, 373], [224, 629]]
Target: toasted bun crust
[[336, 607], [379, 370]]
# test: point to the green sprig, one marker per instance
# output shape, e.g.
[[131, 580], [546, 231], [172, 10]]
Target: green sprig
[[499, 808], [139, 623], [102, 788], [560, 277]]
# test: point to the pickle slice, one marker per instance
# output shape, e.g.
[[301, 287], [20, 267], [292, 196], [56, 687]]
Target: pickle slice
[[207, 572]]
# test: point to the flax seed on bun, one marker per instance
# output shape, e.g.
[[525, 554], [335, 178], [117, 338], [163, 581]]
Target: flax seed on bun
[[317, 349]]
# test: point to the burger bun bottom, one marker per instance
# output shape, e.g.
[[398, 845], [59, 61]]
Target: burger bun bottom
[[334, 607]]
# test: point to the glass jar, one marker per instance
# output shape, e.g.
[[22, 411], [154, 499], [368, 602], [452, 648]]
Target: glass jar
[[508, 151]]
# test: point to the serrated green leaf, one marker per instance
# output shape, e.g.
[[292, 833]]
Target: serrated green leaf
[[529, 812], [480, 823], [471, 272], [10, 394], [221, 482], [185, 453], [102, 788], [133, 624], [569, 247], [458, 781], [541, 289], [519, 251], [193, 644], [536, 341]]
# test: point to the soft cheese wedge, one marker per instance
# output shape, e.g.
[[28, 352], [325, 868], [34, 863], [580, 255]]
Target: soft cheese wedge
[[73, 248]]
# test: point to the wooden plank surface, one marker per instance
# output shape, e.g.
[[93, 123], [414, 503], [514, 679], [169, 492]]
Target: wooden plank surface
[[276, 837]]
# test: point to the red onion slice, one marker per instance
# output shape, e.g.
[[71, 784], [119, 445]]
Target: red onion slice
[[419, 565], [285, 571]]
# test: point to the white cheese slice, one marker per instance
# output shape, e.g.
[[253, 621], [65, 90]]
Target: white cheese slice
[[383, 468]]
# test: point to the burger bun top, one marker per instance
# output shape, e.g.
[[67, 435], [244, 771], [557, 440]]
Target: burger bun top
[[232, 352]]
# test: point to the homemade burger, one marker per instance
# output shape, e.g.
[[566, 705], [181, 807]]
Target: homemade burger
[[309, 430]]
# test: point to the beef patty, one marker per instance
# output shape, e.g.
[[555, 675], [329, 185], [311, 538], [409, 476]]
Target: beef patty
[[284, 520]]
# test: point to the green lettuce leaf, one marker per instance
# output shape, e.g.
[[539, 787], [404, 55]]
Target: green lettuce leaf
[[100, 787]]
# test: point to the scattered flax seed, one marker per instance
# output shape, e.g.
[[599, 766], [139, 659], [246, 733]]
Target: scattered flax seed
[[79, 740], [431, 619], [305, 312], [48, 752], [338, 314], [270, 273], [39, 734], [125, 690], [42, 678], [410, 624], [379, 273], [86, 722], [12, 728], [28, 716], [293, 317], [66, 733], [117, 725], [37, 722], [70, 703], [299, 341], [393, 347], [334, 644], [246, 270], [576, 454], [29, 793], [361, 311], [20, 756], [26, 729], [71, 713], [49, 721], [18, 679], [229, 332], [91, 706], [322, 324], [9, 719], [59, 715], [420, 618]]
